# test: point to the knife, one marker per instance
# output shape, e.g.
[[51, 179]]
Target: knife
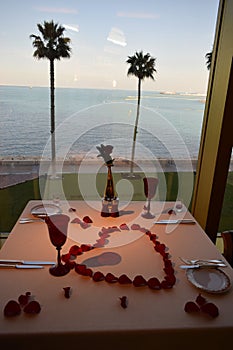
[[24, 262], [197, 266], [22, 266], [182, 221]]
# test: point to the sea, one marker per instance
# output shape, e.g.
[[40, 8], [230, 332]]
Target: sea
[[169, 125]]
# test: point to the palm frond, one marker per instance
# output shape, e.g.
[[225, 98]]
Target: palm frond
[[142, 66], [51, 44]]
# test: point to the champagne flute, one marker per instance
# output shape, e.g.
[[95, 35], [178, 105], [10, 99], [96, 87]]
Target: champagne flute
[[57, 227], [150, 187]]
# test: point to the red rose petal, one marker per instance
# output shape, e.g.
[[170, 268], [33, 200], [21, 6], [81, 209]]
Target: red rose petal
[[164, 255], [148, 233], [71, 264], [124, 301], [110, 278], [171, 279], [66, 257], [80, 268], [169, 270], [23, 299], [171, 212], [153, 237], [211, 309], [167, 263], [12, 308], [88, 272], [162, 247], [98, 245], [143, 230], [115, 229], [154, 283], [135, 227], [87, 220], [124, 227], [32, 308], [84, 224], [166, 284], [190, 307], [67, 292], [104, 230], [86, 247], [139, 281], [71, 210], [98, 276], [75, 250], [76, 221], [200, 300], [100, 242], [124, 279]]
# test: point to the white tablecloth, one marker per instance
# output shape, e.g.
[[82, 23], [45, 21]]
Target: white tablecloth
[[92, 317]]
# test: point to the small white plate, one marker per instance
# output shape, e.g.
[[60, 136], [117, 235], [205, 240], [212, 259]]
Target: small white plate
[[209, 279], [43, 210]]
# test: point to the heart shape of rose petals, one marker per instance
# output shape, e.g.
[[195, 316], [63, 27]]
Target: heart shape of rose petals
[[138, 281]]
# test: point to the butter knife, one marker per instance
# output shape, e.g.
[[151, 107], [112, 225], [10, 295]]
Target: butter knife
[[26, 262], [182, 221], [20, 266]]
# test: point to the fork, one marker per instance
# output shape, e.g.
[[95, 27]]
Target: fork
[[196, 261]]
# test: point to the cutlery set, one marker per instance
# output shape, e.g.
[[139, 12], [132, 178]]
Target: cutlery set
[[181, 221], [199, 263], [28, 220], [23, 264]]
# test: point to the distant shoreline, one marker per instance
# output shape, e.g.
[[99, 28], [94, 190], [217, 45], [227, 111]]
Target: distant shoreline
[[78, 160]]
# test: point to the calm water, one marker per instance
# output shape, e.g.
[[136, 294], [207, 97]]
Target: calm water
[[169, 125]]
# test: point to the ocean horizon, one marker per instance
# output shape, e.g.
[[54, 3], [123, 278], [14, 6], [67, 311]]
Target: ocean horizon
[[169, 125]]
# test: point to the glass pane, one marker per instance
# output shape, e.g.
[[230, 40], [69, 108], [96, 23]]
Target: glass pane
[[226, 221], [95, 99]]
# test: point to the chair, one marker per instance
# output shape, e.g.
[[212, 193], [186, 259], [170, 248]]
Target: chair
[[227, 237]]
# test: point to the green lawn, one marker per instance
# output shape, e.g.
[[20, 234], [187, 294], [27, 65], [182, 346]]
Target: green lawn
[[14, 198]]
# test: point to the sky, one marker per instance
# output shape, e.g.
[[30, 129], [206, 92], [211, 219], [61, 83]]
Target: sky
[[103, 33]]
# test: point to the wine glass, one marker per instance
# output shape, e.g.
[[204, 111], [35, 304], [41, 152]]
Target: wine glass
[[150, 187], [57, 227]]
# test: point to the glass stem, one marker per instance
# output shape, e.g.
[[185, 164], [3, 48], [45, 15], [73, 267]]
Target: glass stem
[[148, 206], [59, 255]]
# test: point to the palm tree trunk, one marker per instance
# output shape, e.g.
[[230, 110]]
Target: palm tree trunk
[[52, 118], [136, 126]]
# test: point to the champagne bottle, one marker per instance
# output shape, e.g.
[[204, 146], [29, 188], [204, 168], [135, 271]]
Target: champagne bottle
[[109, 193]]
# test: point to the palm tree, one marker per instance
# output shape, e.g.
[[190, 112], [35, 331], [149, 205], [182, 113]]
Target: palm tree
[[52, 46], [141, 66], [208, 57]]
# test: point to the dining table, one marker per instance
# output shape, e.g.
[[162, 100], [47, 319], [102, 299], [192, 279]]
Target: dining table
[[118, 312]]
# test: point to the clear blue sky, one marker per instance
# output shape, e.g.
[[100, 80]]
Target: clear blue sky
[[103, 34]]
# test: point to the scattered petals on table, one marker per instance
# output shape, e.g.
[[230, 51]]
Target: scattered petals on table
[[87, 219], [33, 307], [202, 305], [12, 308], [25, 303], [67, 292], [124, 301]]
